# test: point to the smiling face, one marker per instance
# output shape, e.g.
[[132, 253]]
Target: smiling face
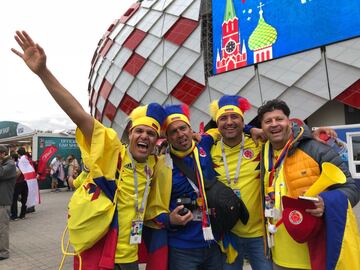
[[276, 126], [231, 126], [179, 135], [142, 142]]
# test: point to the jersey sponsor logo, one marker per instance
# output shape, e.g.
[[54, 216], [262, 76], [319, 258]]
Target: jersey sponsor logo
[[248, 153], [128, 166], [202, 152]]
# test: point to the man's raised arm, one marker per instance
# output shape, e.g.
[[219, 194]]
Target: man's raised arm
[[35, 58]]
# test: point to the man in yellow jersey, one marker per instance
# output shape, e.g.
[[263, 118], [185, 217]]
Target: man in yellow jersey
[[291, 162], [102, 151], [236, 160]]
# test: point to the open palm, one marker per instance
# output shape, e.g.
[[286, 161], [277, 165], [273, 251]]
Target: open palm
[[33, 55]]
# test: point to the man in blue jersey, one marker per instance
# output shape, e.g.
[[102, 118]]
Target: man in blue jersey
[[190, 239]]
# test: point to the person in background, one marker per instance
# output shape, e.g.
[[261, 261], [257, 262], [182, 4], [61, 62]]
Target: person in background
[[7, 186], [21, 189], [26, 167], [72, 170], [56, 172]]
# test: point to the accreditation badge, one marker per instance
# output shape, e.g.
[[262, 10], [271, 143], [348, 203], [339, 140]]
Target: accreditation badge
[[270, 240], [197, 215], [270, 213], [136, 232], [269, 207]]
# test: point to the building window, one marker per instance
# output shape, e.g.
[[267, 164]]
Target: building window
[[134, 39], [181, 30], [127, 104], [109, 111], [134, 64], [187, 90], [353, 142]]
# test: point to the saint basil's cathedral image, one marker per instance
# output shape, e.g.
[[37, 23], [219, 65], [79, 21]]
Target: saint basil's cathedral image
[[233, 52]]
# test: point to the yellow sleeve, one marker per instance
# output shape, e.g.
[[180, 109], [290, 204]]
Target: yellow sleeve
[[102, 155], [159, 196], [214, 133], [80, 179]]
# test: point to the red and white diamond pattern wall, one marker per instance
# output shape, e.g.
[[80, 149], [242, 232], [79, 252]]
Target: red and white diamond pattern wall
[[153, 54]]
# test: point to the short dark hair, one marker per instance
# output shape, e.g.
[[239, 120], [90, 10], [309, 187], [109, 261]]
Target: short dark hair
[[3, 149], [15, 156], [21, 151], [272, 105]]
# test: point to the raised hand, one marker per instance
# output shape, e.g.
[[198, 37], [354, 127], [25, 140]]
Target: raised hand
[[33, 55], [35, 58]]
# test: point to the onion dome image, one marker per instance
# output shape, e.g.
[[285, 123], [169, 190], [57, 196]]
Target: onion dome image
[[262, 39], [162, 51]]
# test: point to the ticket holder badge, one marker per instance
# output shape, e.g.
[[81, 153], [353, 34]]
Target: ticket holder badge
[[136, 231], [270, 214], [270, 240], [197, 213], [137, 223], [270, 203]]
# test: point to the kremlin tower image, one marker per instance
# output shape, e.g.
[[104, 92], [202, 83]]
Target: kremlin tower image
[[233, 55]]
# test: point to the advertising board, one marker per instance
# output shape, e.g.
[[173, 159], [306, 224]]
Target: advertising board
[[246, 32]]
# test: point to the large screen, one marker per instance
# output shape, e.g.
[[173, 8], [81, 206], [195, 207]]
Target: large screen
[[246, 32]]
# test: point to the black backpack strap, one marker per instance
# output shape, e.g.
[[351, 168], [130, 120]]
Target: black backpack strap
[[190, 174]]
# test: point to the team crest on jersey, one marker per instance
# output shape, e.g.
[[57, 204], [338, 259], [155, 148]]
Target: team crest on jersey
[[295, 217], [202, 152], [248, 153]]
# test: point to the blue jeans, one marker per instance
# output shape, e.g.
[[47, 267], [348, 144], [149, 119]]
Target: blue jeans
[[207, 258], [253, 249]]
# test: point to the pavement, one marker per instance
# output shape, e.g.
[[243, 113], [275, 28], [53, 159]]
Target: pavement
[[35, 242]]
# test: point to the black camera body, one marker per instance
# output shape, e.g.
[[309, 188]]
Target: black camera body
[[189, 205]]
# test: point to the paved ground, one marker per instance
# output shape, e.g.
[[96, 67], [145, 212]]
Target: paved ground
[[35, 241]]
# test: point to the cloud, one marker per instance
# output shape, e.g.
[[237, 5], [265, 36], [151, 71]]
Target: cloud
[[49, 123]]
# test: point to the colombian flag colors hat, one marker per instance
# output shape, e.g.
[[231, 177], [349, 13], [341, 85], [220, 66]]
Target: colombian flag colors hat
[[151, 115], [229, 104], [300, 225], [175, 113]]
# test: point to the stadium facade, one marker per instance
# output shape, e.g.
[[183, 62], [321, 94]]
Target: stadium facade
[[162, 51]]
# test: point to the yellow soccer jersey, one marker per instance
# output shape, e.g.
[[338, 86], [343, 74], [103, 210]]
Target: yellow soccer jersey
[[248, 183], [126, 253]]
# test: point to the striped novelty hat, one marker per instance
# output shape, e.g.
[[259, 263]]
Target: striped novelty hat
[[226, 104], [175, 113], [151, 115]]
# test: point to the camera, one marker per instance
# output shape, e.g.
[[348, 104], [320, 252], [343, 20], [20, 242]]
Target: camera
[[188, 203]]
